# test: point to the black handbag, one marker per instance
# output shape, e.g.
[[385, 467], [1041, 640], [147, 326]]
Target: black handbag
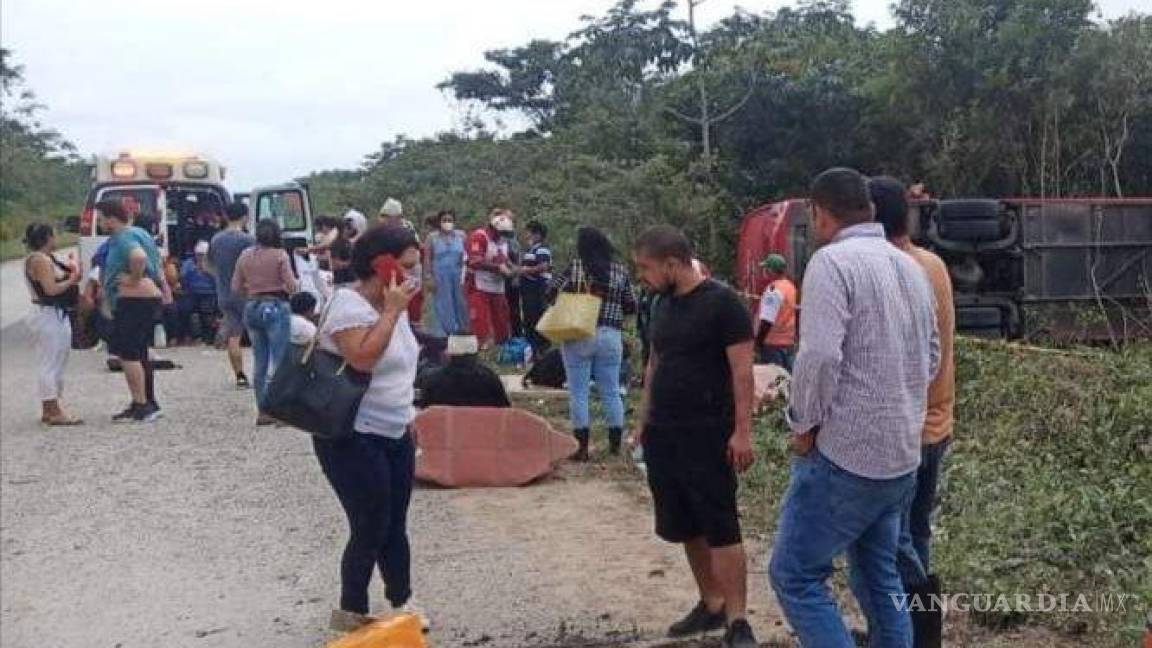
[[85, 328], [315, 390]]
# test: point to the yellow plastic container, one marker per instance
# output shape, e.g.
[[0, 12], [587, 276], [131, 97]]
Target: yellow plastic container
[[403, 631]]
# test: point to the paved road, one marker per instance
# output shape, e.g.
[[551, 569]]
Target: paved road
[[204, 531], [13, 293]]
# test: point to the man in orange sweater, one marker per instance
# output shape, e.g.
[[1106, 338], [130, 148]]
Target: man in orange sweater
[[890, 198]]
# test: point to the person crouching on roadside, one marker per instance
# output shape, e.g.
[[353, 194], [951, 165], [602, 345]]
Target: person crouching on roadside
[[303, 325]]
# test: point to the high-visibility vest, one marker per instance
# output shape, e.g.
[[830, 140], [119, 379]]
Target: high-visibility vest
[[783, 332]]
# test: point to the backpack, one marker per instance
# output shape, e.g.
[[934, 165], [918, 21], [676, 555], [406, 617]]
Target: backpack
[[547, 371], [512, 352]]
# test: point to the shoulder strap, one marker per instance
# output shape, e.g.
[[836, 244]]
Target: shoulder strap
[[580, 277], [320, 325], [28, 269]]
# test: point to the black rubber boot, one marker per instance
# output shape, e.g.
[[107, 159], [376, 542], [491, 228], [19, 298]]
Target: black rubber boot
[[615, 436], [928, 617], [581, 438]]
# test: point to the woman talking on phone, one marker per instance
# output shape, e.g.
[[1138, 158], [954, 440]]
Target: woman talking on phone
[[372, 469]]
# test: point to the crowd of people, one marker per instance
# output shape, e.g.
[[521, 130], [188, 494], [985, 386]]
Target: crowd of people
[[870, 409]]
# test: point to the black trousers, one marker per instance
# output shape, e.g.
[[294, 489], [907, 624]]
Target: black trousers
[[515, 312], [372, 476], [533, 300]]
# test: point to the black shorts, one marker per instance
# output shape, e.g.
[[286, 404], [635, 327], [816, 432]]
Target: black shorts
[[133, 324], [693, 485]]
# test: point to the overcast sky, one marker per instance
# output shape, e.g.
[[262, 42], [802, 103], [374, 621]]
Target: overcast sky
[[276, 89]]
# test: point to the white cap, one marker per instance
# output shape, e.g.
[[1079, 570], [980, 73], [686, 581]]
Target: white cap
[[359, 223], [201, 247], [502, 222], [460, 345], [391, 207]]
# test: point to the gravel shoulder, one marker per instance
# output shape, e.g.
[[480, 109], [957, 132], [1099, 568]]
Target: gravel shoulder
[[202, 530]]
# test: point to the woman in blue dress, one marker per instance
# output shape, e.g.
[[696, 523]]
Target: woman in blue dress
[[445, 249]]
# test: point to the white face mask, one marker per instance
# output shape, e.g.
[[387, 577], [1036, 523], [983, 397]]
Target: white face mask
[[447, 227]]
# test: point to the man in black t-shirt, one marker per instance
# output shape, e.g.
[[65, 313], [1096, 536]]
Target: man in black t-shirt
[[696, 427]]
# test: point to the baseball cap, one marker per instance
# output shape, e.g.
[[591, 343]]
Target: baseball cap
[[775, 263]]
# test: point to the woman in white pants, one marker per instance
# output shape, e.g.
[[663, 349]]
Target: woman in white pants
[[54, 291]]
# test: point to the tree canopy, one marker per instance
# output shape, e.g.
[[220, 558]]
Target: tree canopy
[[640, 116], [43, 179]]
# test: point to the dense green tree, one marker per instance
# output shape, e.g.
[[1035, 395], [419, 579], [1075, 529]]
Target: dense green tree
[[41, 177], [640, 115]]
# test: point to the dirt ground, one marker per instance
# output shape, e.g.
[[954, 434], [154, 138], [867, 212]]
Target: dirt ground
[[202, 530]]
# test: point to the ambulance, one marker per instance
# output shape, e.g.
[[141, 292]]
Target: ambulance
[[180, 199]]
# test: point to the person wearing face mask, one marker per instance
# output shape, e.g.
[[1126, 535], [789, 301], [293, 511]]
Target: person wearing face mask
[[488, 270], [372, 468], [695, 423], [445, 265], [392, 215]]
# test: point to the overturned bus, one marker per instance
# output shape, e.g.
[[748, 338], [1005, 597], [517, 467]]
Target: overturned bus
[[1022, 268]]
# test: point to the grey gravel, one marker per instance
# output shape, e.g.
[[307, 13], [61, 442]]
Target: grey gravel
[[203, 530]]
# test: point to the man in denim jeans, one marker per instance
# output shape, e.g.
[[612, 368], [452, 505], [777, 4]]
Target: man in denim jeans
[[868, 349], [889, 197]]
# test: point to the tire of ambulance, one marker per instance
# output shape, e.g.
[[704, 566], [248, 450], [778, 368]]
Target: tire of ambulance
[[981, 320], [954, 211], [973, 231]]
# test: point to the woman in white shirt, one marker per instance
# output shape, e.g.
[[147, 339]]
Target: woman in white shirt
[[372, 469]]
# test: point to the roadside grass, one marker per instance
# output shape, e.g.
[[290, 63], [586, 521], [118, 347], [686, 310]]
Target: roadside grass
[[14, 219], [1047, 488]]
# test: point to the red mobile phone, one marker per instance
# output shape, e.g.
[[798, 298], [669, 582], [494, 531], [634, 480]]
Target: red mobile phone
[[388, 269]]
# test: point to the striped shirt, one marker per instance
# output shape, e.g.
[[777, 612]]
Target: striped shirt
[[868, 349]]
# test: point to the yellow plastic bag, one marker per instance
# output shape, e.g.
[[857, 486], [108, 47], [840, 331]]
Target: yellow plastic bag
[[573, 317], [403, 631]]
